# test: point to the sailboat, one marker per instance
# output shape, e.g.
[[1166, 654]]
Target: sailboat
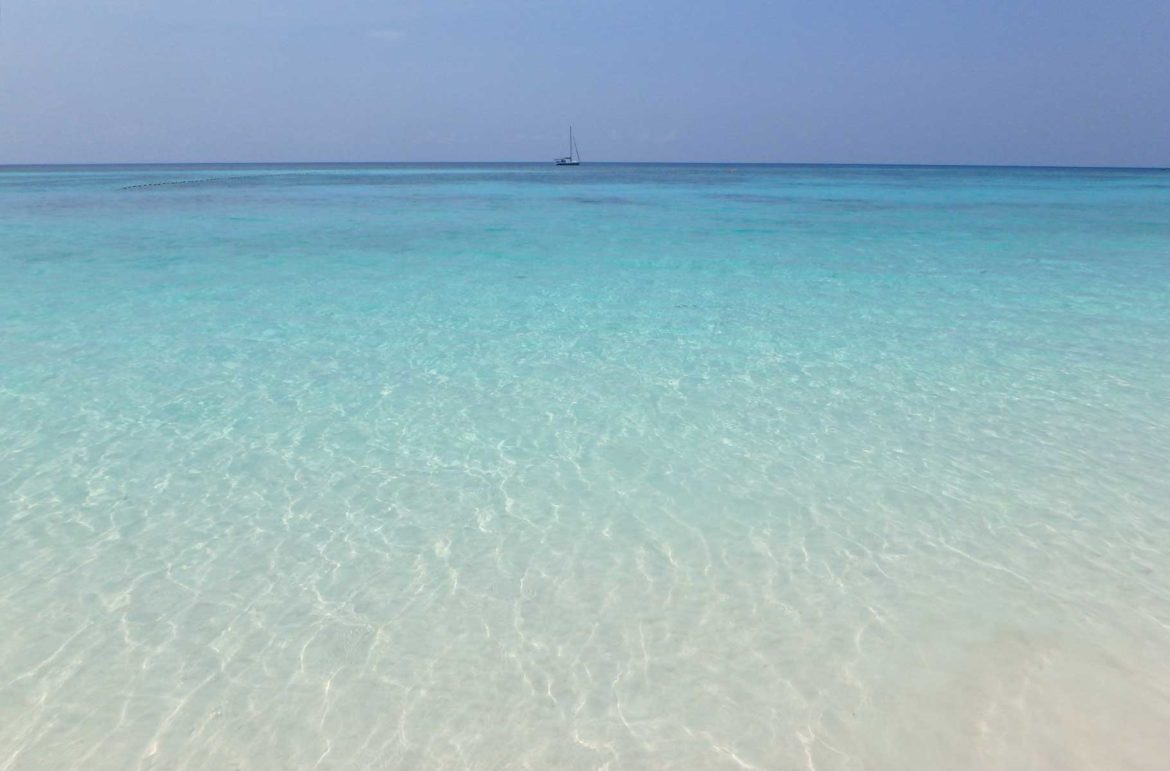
[[570, 160]]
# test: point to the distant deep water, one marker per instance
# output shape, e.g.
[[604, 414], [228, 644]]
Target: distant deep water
[[614, 467]]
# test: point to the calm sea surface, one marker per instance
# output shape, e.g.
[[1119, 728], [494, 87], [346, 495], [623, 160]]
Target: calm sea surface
[[621, 467]]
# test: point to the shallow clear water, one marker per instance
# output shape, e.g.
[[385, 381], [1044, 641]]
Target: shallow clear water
[[619, 467]]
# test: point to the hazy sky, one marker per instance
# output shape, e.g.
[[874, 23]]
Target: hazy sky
[[910, 81]]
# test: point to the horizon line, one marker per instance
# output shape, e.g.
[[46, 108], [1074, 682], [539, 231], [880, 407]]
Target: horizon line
[[839, 164]]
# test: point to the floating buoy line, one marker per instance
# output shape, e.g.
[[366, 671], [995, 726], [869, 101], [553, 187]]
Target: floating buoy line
[[195, 181]]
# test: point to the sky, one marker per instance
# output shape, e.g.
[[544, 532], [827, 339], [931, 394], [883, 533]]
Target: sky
[[1028, 82]]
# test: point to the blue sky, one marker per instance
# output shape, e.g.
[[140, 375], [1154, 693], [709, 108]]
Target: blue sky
[[1019, 82]]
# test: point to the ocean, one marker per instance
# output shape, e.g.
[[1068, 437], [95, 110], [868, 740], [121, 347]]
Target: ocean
[[609, 467]]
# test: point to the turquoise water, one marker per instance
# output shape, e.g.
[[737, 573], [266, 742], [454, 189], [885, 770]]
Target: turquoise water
[[621, 467]]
